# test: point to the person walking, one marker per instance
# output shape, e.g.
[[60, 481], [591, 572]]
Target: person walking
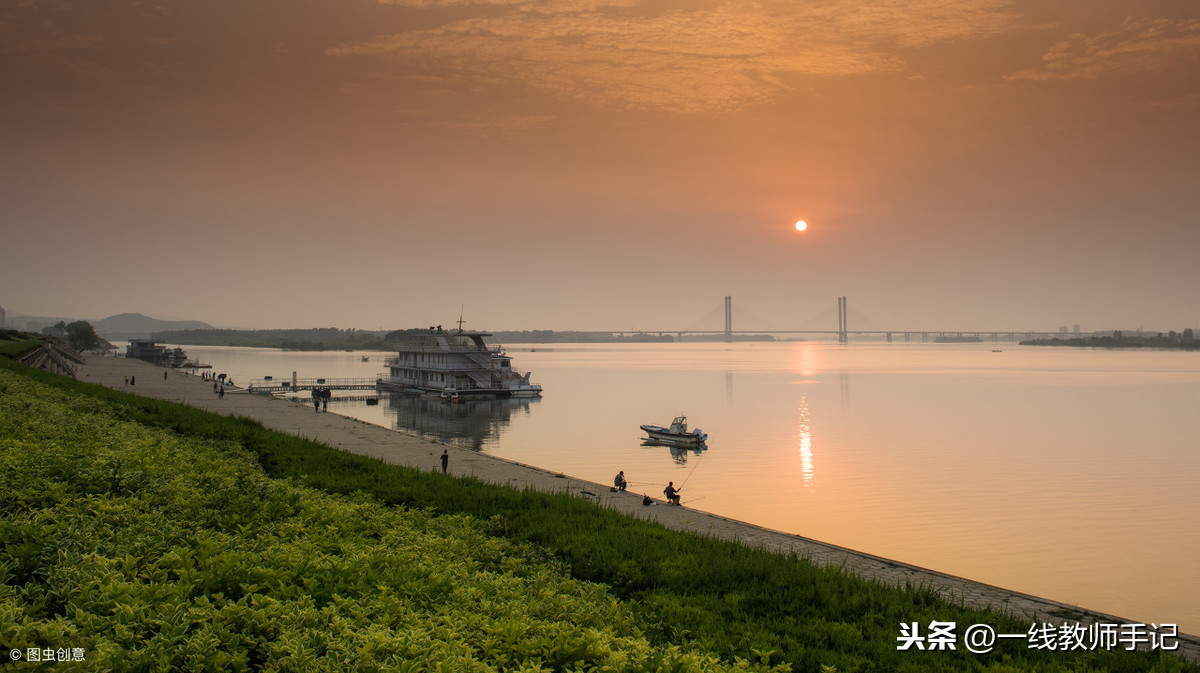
[[445, 460], [164, 375], [221, 393], [132, 380]]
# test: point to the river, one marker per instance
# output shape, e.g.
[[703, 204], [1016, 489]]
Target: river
[[1065, 473]]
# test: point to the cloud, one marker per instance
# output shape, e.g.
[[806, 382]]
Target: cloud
[[50, 44], [433, 4], [1191, 100], [558, 5], [1140, 45], [513, 126], [719, 58], [913, 23]]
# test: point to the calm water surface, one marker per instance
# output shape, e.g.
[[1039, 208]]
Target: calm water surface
[[1066, 473]]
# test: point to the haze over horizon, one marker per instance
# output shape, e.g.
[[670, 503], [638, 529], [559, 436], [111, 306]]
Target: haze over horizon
[[577, 164]]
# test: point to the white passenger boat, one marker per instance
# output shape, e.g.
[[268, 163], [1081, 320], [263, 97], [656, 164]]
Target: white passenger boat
[[433, 361], [676, 434]]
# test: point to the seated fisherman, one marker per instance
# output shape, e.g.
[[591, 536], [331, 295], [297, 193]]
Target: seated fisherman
[[620, 482], [671, 493]]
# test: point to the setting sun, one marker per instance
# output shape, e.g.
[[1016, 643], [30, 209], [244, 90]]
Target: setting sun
[[801, 225]]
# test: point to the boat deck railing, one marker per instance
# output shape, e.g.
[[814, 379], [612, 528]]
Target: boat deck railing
[[449, 348], [434, 367]]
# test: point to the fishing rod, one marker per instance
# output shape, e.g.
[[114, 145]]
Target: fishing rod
[[691, 472]]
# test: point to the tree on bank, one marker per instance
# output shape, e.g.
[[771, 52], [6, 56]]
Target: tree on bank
[[82, 336], [57, 329]]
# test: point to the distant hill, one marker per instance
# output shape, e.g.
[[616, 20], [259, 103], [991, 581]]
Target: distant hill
[[138, 326]]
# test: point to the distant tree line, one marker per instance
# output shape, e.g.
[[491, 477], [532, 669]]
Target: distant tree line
[[333, 338], [313, 339], [542, 336], [1184, 340]]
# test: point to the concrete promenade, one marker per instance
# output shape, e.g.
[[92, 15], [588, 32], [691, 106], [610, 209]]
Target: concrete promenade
[[391, 446]]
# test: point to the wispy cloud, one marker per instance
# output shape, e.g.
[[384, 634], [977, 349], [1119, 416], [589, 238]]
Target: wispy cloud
[[1191, 100], [514, 126], [719, 58], [1138, 45]]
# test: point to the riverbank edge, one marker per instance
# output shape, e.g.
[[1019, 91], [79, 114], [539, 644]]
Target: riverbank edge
[[398, 448]]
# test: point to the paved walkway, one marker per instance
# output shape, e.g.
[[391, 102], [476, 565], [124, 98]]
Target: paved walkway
[[391, 446]]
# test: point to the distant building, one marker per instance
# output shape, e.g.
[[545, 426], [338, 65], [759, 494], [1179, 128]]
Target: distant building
[[1075, 329], [1062, 330], [1, 317]]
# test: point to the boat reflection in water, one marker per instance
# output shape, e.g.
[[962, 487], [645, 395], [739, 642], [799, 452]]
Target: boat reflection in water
[[470, 423], [679, 452]]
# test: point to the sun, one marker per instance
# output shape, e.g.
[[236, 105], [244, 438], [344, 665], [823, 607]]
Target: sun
[[801, 225]]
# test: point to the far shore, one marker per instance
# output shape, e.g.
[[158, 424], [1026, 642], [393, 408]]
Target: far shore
[[352, 435], [1172, 341]]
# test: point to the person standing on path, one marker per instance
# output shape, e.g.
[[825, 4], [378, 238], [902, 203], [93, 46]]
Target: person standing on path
[[164, 375], [445, 460], [126, 380]]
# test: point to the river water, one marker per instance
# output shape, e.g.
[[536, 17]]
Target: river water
[[1065, 473]]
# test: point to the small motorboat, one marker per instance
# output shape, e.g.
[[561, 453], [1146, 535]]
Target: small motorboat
[[449, 396], [676, 434]]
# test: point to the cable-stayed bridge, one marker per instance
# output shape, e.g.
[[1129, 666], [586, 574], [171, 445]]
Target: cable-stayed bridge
[[704, 327]]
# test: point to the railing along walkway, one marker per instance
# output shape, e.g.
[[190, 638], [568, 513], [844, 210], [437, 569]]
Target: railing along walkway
[[267, 386]]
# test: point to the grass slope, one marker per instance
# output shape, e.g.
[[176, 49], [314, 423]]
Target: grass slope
[[151, 551]]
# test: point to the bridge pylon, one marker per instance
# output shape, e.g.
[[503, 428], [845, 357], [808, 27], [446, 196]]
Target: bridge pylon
[[728, 319], [843, 334]]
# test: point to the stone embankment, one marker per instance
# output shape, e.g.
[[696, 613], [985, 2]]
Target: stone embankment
[[363, 438]]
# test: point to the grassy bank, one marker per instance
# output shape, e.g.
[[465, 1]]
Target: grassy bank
[[14, 343], [147, 550], [682, 590]]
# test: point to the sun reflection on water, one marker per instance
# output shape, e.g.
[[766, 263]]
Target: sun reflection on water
[[806, 453]]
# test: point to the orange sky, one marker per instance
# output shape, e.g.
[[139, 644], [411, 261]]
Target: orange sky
[[578, 164]]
